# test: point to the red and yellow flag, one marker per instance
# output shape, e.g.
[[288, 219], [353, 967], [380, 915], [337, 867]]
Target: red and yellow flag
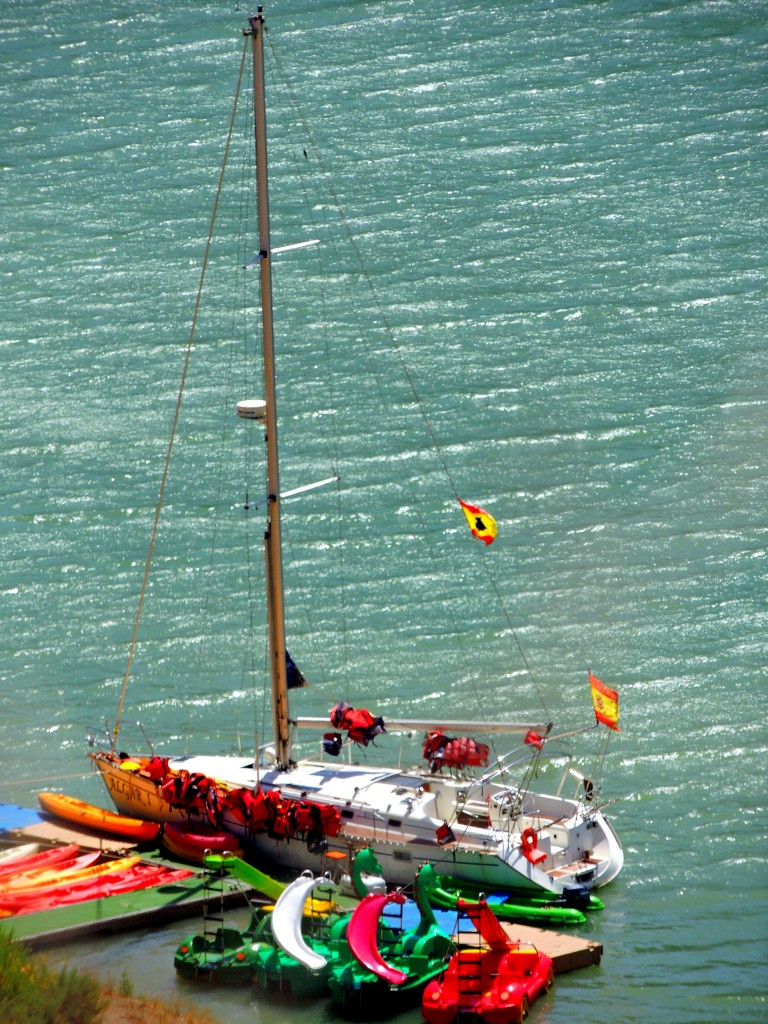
[[606, 703], [482, 525]]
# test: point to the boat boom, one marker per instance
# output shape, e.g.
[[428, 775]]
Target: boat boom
[[437, 725]]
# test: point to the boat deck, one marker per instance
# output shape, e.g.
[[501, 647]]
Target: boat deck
[[576, 868]]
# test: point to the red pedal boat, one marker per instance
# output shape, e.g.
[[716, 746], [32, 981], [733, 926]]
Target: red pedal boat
[[493, 982]]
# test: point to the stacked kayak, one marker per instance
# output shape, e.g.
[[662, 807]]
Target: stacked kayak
[[14, 853], [71, 870], [45, 858], [64, 875]]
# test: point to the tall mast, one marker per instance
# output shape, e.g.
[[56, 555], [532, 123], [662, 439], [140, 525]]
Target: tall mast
[[272, 543]]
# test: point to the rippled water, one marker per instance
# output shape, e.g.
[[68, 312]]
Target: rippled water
[[562, 207]]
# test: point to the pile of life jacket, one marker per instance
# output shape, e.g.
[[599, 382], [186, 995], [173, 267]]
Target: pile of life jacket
[[193, 791], [360, 725], [441, 750], [259, 811], [267, 811], [156, 768]]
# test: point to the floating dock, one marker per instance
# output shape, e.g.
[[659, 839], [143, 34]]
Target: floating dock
[[163, 904], [110, 915], [567, 952], [152, 907]]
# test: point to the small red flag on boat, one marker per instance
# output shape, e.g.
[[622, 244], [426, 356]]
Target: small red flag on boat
[[445, 834], [482, 525], [533, 739], [605, 702]]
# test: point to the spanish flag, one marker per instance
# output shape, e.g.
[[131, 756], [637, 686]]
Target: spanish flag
[[481, 524], [606, 703]]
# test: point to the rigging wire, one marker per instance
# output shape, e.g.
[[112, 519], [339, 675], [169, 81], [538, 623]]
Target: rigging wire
[[597, 774], [396, 348], [237, 306], [177, 411], [328, 382]]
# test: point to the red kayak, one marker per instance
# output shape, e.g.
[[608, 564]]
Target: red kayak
[[43, 859], [43, 876], [194, 843], [64, 880]]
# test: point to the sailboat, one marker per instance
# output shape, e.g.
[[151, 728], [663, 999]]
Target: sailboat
[[478, 822]]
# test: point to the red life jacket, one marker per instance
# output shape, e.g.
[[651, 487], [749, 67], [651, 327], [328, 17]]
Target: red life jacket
[[441, 750], [156, 768], [268, 811], [330, 820], [171, 789], [306, 816], [360, 724], [194, 791]]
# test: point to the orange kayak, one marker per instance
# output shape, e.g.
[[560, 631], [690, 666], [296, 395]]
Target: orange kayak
[[78, 812]]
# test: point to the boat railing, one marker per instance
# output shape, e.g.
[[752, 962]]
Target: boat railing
[[94, 736], [587, 790], [504, 763]]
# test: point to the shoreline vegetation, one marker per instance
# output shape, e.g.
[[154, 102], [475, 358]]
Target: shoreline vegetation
[[32, 992]]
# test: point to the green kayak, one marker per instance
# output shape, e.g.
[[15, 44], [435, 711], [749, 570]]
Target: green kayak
[[444, 891]]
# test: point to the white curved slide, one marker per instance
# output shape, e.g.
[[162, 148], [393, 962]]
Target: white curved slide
[[286, 922]]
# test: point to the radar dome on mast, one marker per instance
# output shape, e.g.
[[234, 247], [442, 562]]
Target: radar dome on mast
[[252, 409]]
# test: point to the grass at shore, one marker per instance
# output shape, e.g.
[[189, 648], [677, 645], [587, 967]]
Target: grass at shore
[[128, 1009], [31, 992]]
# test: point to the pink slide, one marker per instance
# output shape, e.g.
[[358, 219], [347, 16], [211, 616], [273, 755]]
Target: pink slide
[[362, 931]]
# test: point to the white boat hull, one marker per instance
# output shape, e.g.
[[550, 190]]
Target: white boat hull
[[397, 815]]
